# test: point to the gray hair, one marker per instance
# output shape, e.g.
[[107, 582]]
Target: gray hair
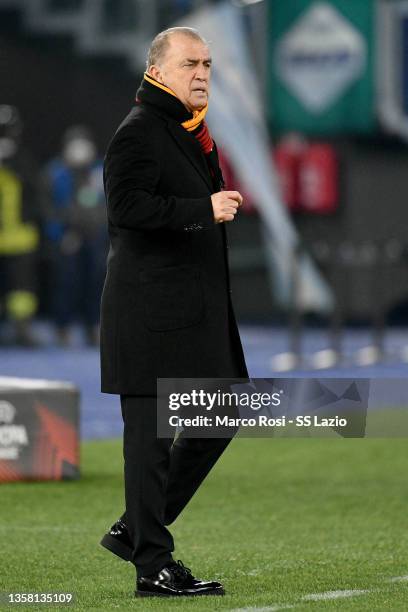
[[160, 43]]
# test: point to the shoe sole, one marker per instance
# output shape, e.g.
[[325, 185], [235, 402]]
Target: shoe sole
[[116, 547], [147, 594]]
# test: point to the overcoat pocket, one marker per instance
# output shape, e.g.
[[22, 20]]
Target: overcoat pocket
[[172, 297]]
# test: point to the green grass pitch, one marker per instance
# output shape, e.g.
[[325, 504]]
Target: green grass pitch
[[276, 520]]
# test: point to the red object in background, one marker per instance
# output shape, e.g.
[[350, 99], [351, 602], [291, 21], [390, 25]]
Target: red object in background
[[39, 430], [287, 156], [308, 175], [57, 444], [319, 179]]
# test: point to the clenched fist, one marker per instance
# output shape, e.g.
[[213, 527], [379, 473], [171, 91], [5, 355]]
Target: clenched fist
[[225, 205]]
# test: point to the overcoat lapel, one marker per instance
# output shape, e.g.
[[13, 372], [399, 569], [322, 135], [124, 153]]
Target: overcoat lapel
[[191, 148]]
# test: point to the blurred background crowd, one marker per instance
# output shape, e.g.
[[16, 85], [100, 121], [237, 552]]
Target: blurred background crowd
[[53, 240], [331, 79]]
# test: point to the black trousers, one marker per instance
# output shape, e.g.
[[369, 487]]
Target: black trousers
[[161, 476]]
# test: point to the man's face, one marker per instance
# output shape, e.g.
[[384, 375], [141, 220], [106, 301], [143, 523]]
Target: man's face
[[186, 69]]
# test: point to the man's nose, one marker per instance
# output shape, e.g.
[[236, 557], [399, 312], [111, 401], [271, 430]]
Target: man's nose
[[201, 73]]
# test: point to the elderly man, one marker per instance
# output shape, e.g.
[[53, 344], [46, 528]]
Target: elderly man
[[166, 307]]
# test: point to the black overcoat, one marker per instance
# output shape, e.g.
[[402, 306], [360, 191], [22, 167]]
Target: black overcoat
[[166, 306]]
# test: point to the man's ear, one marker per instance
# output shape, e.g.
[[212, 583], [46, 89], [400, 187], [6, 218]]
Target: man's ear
[[155, 72]]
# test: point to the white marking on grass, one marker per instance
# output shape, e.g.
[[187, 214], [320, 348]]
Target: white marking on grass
[[318, 597], [335, 594], [267, 609], [44, 528]]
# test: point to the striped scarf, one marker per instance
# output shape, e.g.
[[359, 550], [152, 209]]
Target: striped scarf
[[196, 125]]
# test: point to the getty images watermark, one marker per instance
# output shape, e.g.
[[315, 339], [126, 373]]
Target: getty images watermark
[[254, 401], [282, 407]]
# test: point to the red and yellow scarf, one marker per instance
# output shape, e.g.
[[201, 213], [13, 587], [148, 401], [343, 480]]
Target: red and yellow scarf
[[196, 124]]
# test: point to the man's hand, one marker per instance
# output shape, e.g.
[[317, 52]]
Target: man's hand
[[225, 205]]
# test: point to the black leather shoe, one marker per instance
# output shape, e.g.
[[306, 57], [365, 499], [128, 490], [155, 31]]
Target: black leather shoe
[[175, 580], [117, 540]]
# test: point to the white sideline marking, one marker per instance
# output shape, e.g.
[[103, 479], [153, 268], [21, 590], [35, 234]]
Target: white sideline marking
[[40, 528], [399, 579], [254, 572], [319, 596], [267, 609], [335, 594]]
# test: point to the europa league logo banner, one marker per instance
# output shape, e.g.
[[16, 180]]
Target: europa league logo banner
[[283, 407], [39, 430]]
